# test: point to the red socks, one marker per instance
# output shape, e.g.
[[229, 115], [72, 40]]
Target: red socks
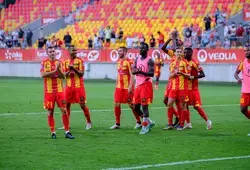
[[65, 120], [170, 115], [86, 114], [183, 117], [117, 110], [51, 123], [201, 113], [188, 116]]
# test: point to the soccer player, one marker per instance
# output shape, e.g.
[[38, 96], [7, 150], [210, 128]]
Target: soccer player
[[124, 88], [196, 72], [51, 72], [244, 67], [159, 63], [169, 86], [75, 91], [179, 74], [144, 70]]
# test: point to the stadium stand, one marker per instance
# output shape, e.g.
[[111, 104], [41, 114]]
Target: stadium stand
[[26, 11], [138, 17]]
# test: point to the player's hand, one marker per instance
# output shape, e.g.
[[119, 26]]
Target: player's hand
[[58, 66], [239, 81], [191, 77], [71, 67]]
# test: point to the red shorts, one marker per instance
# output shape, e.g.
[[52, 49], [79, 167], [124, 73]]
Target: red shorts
[[245, 99], [51, 98], [122, 96], [194, 98], [157, 74], [167, 90], [75, 95], [144, 94], [180, 95]]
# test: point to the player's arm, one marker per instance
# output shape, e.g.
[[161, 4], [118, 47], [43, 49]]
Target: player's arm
[[201, 73], [47, 74], [172, 75], [186, 72], [59, 70], [132, 79], [163, 48], [78, 72], [237, 72], [150, 72], [134, 69]]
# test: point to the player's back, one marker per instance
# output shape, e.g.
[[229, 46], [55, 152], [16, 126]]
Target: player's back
[[124, 73], [53, 83]]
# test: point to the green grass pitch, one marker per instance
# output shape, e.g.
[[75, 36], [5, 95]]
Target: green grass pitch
[[25, 139]]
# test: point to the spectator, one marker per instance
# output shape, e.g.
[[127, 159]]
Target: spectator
[[240, 30], [9, 40], [160, 39], [113, 37], [199, 33], [226, 43], [53, 41], [67, 40], [102, 34], [95, 41], [232, 32], [21, 36], [226, 31], [48, 43], [90, 43], [108, 34], [142, 40], [136, 42], [15, 38], [152, 41], [207, 20], [175, 36], [41, 33], [129, 41], [205, 39], [98, 44], [29, 38], [1, 32], [120, 35], [217, 14], [59, 43], [41, 43]]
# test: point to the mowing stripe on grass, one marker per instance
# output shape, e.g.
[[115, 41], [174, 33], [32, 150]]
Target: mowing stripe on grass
[[181, 163], [108, 110]]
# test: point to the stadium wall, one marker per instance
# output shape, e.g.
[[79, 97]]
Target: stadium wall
[[214, 72]]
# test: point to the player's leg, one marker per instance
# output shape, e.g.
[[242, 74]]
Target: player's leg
[[51, 123], [183, 98], [49, 104], [146, 97], [65, 121], [137, 117], [81, 99], [117, 112], [188, 124], [197, 106], [68, 105], [86, 113], [157, 78], [170, 112], [245, 111]]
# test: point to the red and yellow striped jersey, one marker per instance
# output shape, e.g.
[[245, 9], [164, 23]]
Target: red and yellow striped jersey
[[54, 83], [73, 80], [195, 68], [158, 64], [179, 82], [124, 73]]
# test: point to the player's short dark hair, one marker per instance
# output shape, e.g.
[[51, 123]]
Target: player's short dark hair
[[189, 49], [143, 43], [124, 48]]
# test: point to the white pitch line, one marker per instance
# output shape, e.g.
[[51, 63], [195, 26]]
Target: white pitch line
[[107, 110], [180, 163]]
